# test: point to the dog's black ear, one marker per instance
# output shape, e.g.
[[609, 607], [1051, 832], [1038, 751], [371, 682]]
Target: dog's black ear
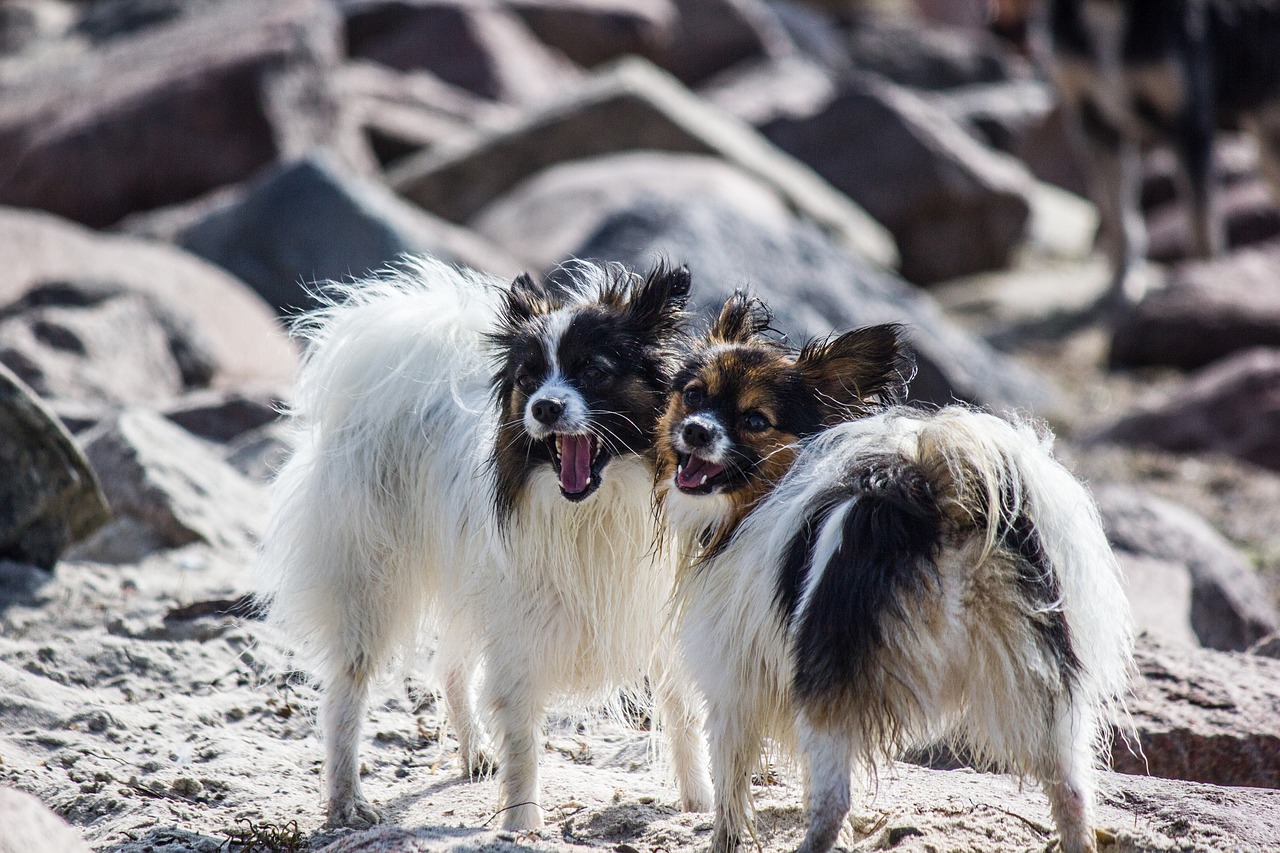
[[522, 301], [657, 303], [742, 318], [850, 371]]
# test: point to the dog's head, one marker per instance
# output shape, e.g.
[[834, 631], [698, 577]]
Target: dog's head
[[583, 373], [742, 401]]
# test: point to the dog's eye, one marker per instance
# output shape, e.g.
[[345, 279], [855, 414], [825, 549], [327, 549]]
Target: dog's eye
[[594, 374], [754, 422], [527, 382], [694, 397]]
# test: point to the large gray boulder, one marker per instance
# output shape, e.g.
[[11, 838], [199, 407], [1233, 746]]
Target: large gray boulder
[[166, 488], [49, 497], [1228, 606], [1203, 716], [625, 107], [1231, 407], [173, 111], [313, 221], [953, 205], [814, 287], [218, 330], [1210, 309]]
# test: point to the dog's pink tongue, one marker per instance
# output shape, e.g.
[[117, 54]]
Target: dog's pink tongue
[[575, 463], [695, 471]]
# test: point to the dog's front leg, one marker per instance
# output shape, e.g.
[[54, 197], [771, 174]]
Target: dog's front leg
[[519, 710], [681, 724], [341, 715], [735, 742]]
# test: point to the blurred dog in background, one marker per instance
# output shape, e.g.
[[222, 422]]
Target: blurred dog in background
[[1136, 73]]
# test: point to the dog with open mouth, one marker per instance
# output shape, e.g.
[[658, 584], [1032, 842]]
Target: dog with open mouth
[[858, 577], [474, 464]]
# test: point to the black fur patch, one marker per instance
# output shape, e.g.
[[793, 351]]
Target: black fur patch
[[887, 558], [1039, 583], [795, 564]]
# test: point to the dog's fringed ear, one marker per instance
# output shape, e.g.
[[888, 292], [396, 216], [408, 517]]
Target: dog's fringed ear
[[741, 320], [851, 371], [522, 301], [657, 303]]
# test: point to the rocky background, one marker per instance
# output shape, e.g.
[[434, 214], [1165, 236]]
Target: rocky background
[[173, 172]]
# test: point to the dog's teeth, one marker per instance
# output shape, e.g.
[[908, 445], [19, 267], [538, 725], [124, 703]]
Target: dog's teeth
[[703, 481], [590, 480], [679, 469]]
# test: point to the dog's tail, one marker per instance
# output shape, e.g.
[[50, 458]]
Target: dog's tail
[[1001, 477], [387, 408]]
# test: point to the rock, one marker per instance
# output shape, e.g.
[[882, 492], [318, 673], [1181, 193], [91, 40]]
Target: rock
[[49, 497], [111, 350], [546, 218], [222, 416], [1204, 716], [311, 221], [1001, 114], [1268, 646], [166, 488], [813, 286], [1247, 209], [928, 58], [592, 32], [219, 332], [1160, 596], [260, 453], [1229, 608], [103, 20], [764, 91], [953, 206], [627, 107], [482, 48], [1231, 407], [403, 112], [29, 825], [1209, 310], [173, 111]]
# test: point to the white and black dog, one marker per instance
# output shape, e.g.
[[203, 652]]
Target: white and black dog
[[860, 578], [475, 462], [1134, 73]]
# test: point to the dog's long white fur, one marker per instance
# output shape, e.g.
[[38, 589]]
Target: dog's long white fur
[[991, 684], [384, 533]]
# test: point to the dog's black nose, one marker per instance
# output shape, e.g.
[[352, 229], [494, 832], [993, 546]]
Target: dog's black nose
[[696, 435], [547, 411]]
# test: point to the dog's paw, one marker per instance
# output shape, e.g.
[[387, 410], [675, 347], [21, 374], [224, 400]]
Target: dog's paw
[[478, 764], [355, 812], [697, 797], [725, 840]]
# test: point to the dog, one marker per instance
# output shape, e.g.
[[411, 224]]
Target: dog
[[1135, 73], [476, 461], [860, 577]]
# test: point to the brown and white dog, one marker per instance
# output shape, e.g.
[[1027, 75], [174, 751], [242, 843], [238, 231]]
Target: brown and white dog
[[860, 577]]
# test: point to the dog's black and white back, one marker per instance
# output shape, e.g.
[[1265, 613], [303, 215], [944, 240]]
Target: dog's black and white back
[[474, 461], [1135, 73], [912, 577]]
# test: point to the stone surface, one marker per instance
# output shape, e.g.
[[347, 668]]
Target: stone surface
[[311, 221], [171, 112], [814, 287], [222, 416], [928, 58], [1204, 716], [166, 488], [49, 497], [29, 826], [1231, 407], [1209, 310], [107, 350], [1229, 609], [480, 47], [953, 206], [1248, 211], [630, 106], [546, 218], [591, 32], [230, 333]]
